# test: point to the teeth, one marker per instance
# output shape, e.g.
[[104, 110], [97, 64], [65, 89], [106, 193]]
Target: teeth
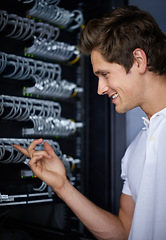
[[115, 95]]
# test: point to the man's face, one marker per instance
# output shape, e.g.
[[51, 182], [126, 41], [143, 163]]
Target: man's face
[[125, 89]]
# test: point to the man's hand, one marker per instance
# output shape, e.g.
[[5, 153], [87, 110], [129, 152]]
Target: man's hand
[[45, 164]]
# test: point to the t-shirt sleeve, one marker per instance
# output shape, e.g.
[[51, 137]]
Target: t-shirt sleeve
[[127, 163], [126, 188]]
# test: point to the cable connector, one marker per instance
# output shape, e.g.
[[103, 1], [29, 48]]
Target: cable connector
[[6, 198]]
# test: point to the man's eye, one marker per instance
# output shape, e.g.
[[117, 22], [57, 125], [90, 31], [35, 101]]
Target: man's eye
[[104, 74]]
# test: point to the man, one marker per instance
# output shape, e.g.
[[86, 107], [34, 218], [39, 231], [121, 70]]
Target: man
[[128, 54]]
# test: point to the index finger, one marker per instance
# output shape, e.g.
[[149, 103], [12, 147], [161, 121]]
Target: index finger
[[21, 149], [31, 147]]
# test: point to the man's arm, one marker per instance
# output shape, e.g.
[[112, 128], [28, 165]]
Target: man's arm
[[102, 224], [126, 212]]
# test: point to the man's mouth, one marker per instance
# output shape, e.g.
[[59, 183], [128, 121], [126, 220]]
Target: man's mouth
[[115, 95]]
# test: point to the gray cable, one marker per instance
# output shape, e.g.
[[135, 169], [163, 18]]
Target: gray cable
[[34, 107], [25, 28], [55, 15], [53, 50], [47, 76], [9, 154]]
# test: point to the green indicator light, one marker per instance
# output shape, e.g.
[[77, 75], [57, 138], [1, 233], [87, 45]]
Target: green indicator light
[[37, 96], [31, 95], [29, 55], [24, 91], [27, 94]]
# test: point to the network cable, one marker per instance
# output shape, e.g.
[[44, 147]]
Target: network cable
[[21, 68], [47, 77], [54, 50], [9, 154], [45, 116], [21, 109], [49, 11], [26, 28], [51, 127]]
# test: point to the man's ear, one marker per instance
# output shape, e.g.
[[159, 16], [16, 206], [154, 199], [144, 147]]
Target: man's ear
[[140, 60]]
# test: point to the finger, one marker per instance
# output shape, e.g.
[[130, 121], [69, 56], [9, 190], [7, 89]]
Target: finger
[[36, 165], [21, 149], [34, 160], [49, 149], [34, 144], [41, 153]]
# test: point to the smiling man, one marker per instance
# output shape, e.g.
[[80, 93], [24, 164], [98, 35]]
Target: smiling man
[[122, 87], [128, 55]]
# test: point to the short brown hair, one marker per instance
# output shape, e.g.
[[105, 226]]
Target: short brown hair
[[119, 33]]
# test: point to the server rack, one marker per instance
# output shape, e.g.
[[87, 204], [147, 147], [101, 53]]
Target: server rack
[[99, 132]]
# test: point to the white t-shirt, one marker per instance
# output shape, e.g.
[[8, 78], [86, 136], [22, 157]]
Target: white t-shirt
[[144, 175]]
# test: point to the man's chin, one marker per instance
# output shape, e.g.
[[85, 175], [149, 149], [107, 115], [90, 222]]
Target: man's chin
[[120, 110]]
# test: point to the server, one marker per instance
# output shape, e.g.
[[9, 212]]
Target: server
[[47, 90]]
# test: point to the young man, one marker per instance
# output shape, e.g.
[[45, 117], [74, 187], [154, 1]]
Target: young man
[[128, 54]]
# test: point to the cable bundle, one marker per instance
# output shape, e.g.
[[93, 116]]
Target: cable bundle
[[70, 164], [20, 68], [45, 116], [8, 154], [52, 89], [21, 109], [25, 28], [51, 13], [47, 76], [53, 50], [50, 127]]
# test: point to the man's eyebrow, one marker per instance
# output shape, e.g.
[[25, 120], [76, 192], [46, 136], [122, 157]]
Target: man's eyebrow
[[100, 72]]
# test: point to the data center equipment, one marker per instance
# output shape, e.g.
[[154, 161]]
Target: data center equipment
[[48, 91]]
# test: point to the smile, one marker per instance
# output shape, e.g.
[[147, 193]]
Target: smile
[[115, 95]]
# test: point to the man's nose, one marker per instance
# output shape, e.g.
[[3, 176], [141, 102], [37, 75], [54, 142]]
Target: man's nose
[[102, 87]]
